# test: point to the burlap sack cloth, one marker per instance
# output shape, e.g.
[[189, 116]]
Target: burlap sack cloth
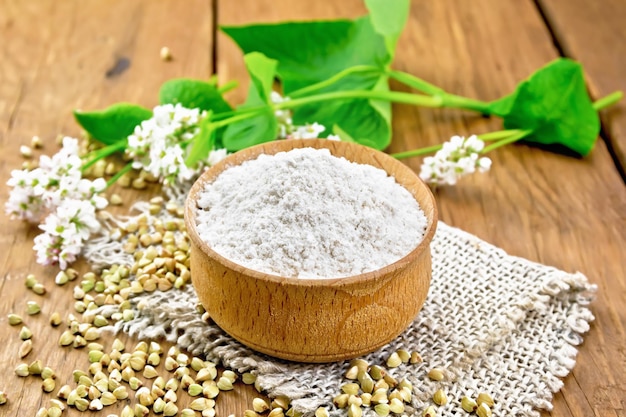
[[494, 322]]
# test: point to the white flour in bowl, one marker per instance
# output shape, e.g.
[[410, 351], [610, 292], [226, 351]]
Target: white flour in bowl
[[308, 214]]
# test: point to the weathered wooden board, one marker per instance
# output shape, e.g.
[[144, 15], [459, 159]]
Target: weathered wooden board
[[593, 33], [58, 56]]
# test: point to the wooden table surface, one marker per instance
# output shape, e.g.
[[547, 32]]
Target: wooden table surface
[[568, 212]]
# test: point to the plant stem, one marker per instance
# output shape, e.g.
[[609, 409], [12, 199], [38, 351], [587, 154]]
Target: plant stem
[[417, 152], [238, 117], [227, 114], [228, 86], [398, 97], [96, 155], [506, 137], [454, 101], [304, 91], [502, 137], [119, 173], [449, 100], [500, 134], [416, 83], [213, 80], [607, 101], [445, 100], [513, 138]]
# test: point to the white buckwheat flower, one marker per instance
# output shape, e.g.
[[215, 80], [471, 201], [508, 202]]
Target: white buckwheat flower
[[283, 117], [286, 128], [158, 145], [69, 202], [457, 157], [216, 155], [57, 178], [308, 131], [26, 198], [65, 231]]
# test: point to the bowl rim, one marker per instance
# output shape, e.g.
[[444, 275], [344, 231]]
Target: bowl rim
[[256, 150]]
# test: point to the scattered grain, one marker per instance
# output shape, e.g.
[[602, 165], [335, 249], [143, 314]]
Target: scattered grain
[[354, 411], [165, 54], [35, 367], [14, 319], [32, 308], [394, 360], [25, 333], [382, 409], [225, 384], [415, 358], [429, 412], [48, 385], [468, 404], [55, 319], [436, 374], [170, 410], [440, 397], [259, 405], [483, 410], [484, 398], [26, 151]]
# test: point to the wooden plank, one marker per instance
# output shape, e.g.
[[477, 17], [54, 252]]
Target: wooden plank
[[593, 33], [57, 56], [540, 205]]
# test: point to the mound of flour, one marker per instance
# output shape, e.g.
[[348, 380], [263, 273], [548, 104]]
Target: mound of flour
[[308, 214]]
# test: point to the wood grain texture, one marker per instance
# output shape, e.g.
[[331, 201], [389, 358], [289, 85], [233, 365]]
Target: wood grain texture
[[58, 56], [542, 205], [592, 32], [313, 320]]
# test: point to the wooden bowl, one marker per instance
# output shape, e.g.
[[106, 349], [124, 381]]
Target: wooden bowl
[[313, 320]]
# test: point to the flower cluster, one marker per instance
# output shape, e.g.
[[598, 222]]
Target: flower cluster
[[457, 158], [158, 145], [286, 128], [56, 190]]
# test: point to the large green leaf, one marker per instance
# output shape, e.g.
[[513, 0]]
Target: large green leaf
[[193, 94], [309, 52], [366, 121], [263, 127], [554, 104], [114, 123], [343, 135], [389, 18], [262, 72]]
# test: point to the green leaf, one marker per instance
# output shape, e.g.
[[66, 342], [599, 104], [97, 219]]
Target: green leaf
[[193, 94], [262, 127], [309, 52], [368, 122], [114, 123], [262, 72], [343, 135], [554, 104], [202, 143], [389, 18]]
